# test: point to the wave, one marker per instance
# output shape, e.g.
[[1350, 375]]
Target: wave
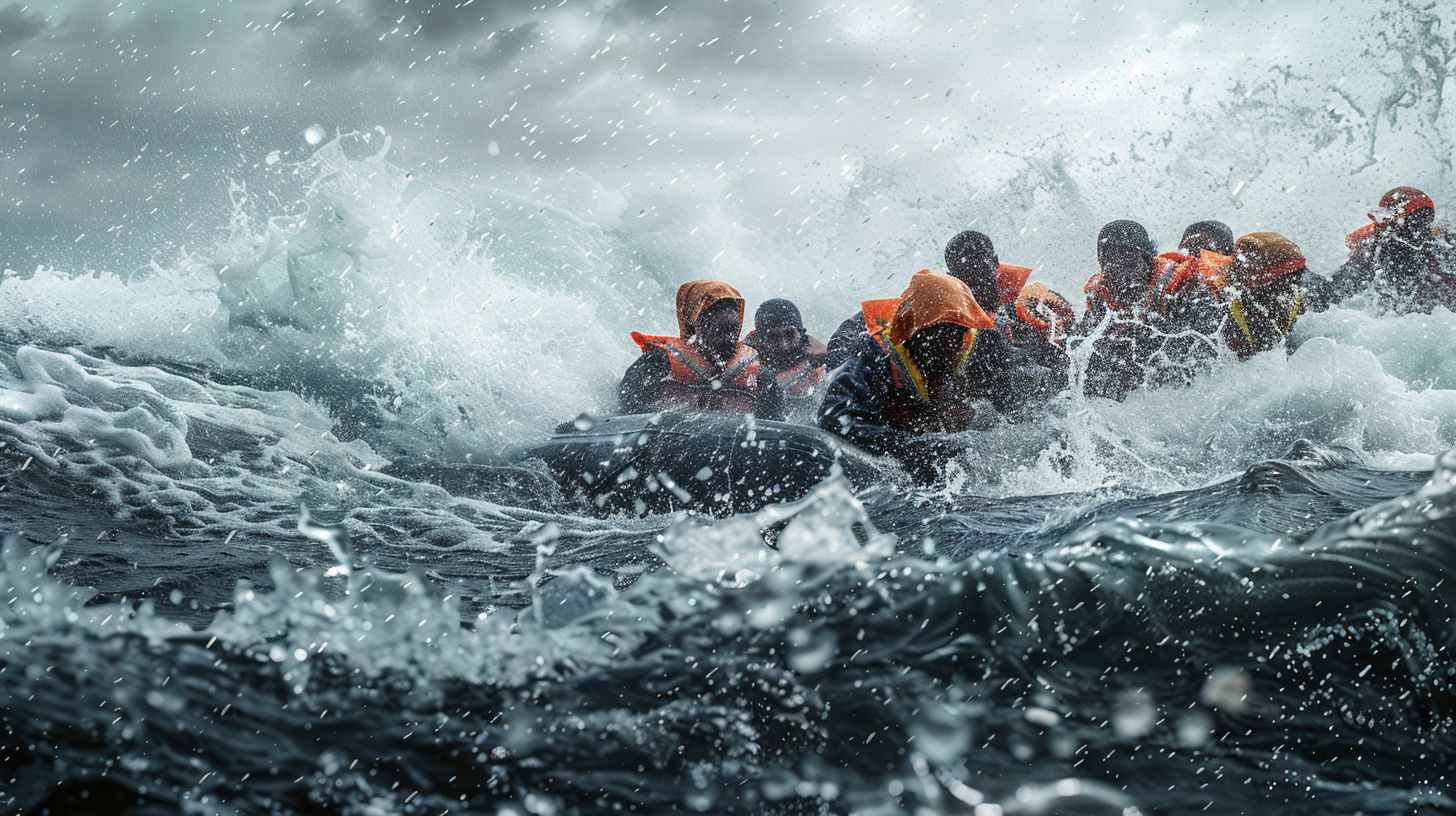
[[1092, 673]]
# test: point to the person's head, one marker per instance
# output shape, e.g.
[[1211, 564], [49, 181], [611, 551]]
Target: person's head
[[1125, 253], [717, 328], [778, 333], [1262, 259], [936, 349], [710, 316], [1214, 236], [1407, 212], [932, 320], [970, 258]]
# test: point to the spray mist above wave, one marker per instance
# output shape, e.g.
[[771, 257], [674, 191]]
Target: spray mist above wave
[[439, 324]]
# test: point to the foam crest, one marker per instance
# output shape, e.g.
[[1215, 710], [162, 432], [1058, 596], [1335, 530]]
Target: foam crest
[[827, 527], [1360, 381]]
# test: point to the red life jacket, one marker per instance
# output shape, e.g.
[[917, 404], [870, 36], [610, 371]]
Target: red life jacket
[[695, 384]]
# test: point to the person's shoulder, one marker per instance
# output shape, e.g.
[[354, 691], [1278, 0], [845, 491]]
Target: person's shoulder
[[652, 358], [867, 359]]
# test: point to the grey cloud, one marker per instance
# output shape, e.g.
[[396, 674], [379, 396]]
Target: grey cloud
[[18, 24], [765, 88]]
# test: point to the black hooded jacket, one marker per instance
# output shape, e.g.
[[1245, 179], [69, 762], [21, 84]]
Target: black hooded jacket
[[862, 397]]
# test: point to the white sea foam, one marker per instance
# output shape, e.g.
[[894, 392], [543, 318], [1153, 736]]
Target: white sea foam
[[455, 325]]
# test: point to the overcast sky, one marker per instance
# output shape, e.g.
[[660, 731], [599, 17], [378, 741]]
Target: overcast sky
[[124, 121]]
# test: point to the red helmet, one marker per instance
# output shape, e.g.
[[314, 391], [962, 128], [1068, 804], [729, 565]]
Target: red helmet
[[1402, 201]]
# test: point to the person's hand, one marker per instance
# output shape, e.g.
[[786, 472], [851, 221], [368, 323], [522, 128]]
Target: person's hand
[[924, 457]]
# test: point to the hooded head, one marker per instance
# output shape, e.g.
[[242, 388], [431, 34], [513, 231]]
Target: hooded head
[[1406, 200], [718, 334], [935, 305], [1262, 258], [971, 259], [1125, 253], [1406, 210], [1214, 236], [778, 333]]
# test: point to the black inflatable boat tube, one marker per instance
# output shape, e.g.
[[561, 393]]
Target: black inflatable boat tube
[[720, 465]]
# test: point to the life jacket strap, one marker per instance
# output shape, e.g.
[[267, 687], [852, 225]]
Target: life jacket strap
[[1236, 308]]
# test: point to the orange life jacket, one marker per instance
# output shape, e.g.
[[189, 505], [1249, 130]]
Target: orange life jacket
[[1252, 339], [695, 384], [1010, 280], [903, 372], [1044, 311], [912, 407], [877, 317], [1207, 268], [1359, 237], [802, 380]]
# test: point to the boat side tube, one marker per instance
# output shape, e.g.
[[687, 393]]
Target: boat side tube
[[719, 465]]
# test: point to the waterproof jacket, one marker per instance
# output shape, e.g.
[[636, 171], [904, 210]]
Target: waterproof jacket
[[1401, 275], [879, 401], [1261, 293]]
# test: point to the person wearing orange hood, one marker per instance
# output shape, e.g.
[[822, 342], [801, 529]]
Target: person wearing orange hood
[[1262, 293], [1033, 320], [705, 368], [1400, 256], [924, 373]]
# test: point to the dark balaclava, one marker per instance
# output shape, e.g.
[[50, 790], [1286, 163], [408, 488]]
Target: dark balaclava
[[777, 312], [971, 258], [1214, 236]]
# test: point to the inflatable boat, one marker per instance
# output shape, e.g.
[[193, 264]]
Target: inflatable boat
[[720, 465]]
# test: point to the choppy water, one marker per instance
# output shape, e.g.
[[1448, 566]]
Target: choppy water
[[266, 554]]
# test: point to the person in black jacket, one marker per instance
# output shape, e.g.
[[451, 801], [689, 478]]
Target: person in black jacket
[[929, 370], [1400, 256]]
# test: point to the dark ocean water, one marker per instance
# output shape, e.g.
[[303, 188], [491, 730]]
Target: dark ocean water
[[465, 639]]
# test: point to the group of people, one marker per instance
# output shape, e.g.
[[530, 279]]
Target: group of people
[[981, 339]]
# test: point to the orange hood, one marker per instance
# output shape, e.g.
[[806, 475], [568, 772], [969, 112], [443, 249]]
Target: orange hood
[[934, 298], [1261, 258], [694, 297]]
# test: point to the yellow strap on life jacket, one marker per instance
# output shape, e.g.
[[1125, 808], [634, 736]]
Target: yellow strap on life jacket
[[900, 359], [1236, 308]]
